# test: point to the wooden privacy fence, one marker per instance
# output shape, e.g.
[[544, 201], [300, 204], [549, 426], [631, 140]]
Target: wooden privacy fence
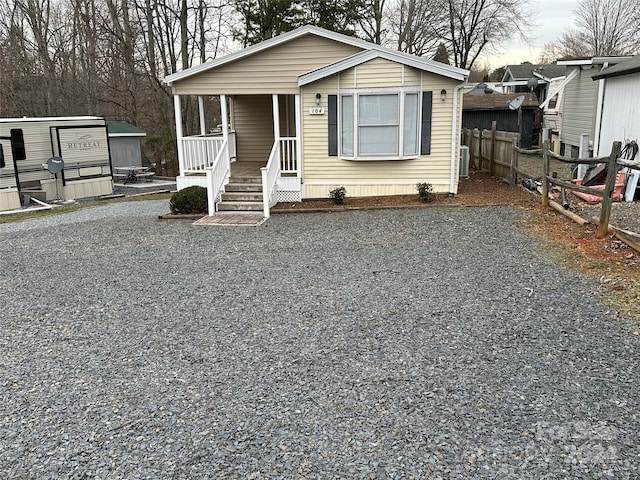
[[490, 150]]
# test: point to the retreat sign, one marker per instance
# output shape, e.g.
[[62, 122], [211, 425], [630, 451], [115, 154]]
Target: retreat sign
[[82, 141]]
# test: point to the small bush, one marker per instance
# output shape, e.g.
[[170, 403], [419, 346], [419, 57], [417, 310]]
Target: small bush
[[425, 191], [338, 194], [189, 200]]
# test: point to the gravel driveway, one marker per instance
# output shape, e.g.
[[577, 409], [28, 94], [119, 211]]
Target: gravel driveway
[[432, 343]]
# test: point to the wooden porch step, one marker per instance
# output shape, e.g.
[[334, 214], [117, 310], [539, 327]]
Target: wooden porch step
[[242, 196], [240, 206], [246, 179], [243, 187]]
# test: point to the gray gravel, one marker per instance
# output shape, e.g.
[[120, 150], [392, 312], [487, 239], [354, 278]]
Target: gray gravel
[[432, 343]]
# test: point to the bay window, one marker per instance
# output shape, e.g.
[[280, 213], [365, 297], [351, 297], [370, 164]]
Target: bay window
[[379, 125]]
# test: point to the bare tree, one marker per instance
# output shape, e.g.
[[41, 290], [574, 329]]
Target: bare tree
[[602, 28], [474, 26], [372, 20], [416, 25]]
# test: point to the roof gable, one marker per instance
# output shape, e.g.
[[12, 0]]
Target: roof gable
[[398, 57], [418, 62]]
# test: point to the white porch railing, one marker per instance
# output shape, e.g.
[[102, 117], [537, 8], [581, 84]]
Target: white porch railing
[[288, 155], [218, 177], [200, 151], [270, 175]]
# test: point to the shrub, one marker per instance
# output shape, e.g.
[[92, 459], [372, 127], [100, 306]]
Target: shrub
[[425, 191], [338, 194], [189, 200]]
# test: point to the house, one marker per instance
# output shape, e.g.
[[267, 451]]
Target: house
[[78, 146], [621, 113], [479, 111], [124, 144], [582, 101], [527, 78], [310, 110]]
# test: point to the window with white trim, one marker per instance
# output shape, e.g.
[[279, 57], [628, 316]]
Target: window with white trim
[[379, 125]]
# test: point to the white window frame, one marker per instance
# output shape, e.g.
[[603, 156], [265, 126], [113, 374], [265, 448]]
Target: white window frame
[[401, 92]]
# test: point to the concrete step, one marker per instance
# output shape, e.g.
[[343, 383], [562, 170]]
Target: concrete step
[[242, 196], [243, 187], [240, 206]]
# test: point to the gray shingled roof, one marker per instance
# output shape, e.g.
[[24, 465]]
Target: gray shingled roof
[[524, 72]]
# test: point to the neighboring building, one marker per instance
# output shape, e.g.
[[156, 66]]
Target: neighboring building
[[528, 78], [621, 113], [319, 109], [479, 111], [582, 101], [124, 144]]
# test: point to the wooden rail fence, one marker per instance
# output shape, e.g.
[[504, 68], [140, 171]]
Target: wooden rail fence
[[498, 153]]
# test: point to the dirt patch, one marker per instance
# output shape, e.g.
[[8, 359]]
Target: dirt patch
[[614, 264], [479, 189]]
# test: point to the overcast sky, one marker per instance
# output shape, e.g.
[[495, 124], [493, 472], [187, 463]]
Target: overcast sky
[[553, 16]]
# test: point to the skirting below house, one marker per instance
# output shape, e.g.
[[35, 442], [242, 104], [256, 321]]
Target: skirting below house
[[374, 190]]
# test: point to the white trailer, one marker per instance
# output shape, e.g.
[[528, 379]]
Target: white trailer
[[27, 144]]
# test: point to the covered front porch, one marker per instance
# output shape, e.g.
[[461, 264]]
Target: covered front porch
[[258, 139]]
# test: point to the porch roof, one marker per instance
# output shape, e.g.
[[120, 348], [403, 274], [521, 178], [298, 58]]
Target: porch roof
[[380, 52]]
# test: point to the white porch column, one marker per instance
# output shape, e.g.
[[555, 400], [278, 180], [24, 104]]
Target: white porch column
[[177, 110], [203, 128], [225, 116], [298, 107], [276, 118]]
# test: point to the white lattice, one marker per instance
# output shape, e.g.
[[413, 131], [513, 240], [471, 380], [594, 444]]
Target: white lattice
[[289, 196]]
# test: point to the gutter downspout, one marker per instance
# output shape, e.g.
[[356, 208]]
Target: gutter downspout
[[455, 140]]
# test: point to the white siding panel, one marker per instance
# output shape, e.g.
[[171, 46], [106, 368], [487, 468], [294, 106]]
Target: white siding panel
[[621, 112]]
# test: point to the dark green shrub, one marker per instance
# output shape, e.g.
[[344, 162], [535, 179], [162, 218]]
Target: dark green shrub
[[338, 194], [189, 200], [425, 191]]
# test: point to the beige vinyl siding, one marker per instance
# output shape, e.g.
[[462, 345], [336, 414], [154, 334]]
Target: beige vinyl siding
[[412, 77], [287, 114], [274, 70], [378, 73], [579, 107], [253, 117], [363, 178]]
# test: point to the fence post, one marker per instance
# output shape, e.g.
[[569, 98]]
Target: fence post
[[609, 188], [514, 162], [545, 174], [473, 149], [480, 150], [492, 154]]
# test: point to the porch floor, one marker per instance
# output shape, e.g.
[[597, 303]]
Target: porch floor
[[246, 169]]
